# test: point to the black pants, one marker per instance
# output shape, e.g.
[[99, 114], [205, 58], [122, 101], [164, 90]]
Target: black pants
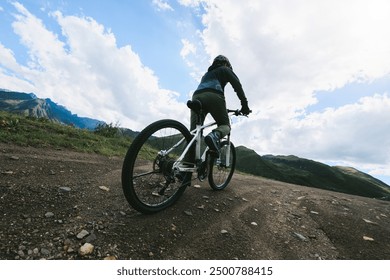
[[214, 104]]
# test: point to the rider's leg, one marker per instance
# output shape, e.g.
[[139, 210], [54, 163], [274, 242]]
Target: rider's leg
[[190, 156], [219, 112], [216, 105]]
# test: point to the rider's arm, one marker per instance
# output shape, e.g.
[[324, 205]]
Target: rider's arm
[[235, 82], [232, 78]]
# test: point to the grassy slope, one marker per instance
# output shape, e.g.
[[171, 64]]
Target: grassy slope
[[34, 132]]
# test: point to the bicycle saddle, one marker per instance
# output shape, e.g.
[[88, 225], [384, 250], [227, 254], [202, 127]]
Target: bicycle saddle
[[195, 105]]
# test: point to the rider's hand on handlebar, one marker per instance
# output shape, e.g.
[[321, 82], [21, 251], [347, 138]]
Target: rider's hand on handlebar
[[244, 108]]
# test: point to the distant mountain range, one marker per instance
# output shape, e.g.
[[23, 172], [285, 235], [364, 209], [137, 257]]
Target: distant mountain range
[[29, 105], [290, 169], [300, 171]]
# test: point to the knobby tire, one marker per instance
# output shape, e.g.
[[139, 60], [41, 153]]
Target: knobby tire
[[148, 181]]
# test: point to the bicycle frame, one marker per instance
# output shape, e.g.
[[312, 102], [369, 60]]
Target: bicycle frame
[[197, 138], [157, 169]]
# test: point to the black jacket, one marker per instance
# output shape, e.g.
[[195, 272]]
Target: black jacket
[[216, 79]]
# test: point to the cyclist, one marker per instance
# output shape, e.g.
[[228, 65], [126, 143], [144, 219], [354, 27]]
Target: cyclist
[[210, 93]]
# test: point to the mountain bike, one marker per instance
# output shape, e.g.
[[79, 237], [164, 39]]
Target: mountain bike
[[154, 172]]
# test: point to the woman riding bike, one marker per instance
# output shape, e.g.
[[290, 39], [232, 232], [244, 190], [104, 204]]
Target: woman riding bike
[[210, 93]]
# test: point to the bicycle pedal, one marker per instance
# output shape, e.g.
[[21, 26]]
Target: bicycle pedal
[[202, 177], [203, 171]]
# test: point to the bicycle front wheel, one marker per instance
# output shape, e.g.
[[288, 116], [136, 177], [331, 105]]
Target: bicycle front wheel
[[222, 168], [148, 180]]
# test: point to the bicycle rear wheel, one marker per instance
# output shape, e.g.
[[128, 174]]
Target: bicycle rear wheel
[[148, 180], [222, 168]]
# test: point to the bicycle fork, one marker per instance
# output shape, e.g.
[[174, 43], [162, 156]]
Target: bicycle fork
[[223, 159], [227, 159]]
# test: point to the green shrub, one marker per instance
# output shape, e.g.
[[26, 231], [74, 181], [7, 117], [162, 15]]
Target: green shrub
[[107, 130]]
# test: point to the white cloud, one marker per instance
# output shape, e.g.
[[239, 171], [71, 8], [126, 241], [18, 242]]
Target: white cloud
[[188, 48], [162, 5], [7, 58], [343, 132], [190, 3], [189, 55], [88, 73], [286, 50]]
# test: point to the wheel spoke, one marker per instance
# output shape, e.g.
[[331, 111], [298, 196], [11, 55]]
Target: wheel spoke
[[146, 173]]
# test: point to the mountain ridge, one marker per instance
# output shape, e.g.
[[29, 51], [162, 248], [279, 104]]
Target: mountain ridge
[[300, 171], [29, 104]]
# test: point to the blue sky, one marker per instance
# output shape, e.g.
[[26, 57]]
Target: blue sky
[[316, 73], [135, 23]]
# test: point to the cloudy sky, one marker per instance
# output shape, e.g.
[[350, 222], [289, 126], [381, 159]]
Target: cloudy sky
[[316, 73]]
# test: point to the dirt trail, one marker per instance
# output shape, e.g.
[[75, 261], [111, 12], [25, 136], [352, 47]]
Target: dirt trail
[[52, 202]]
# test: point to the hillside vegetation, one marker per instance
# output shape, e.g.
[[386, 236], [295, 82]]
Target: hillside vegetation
[[300, 171], [40, 132]]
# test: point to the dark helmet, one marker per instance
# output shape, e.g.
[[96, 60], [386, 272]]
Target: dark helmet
[[222, 60]]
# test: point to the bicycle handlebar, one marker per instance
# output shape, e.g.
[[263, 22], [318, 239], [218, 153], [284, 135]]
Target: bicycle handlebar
[[238, 112]]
